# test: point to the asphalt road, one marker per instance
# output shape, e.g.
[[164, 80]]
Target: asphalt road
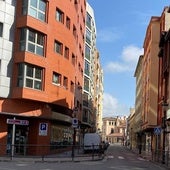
[[117, 158]]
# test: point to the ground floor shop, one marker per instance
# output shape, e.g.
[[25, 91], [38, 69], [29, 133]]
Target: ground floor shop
[[35, 137]]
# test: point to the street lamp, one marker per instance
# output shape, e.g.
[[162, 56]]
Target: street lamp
[[74, 124], [164, 107]]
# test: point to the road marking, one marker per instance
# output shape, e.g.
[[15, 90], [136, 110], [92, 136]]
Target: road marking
[[121, 157]]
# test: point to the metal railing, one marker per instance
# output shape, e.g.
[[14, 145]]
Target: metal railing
[[54, 152]]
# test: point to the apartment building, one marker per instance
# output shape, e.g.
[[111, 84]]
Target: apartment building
[[98, 93], [41, 73], [138, 102], [89, 117], [164, 81], [152, 93]]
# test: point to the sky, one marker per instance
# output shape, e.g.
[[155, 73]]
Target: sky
[[121, 28]]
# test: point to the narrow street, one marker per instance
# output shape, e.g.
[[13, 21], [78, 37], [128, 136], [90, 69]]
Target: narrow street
[[117, 158]]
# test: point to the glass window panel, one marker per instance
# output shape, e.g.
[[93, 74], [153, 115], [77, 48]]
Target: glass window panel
[[31, 47], [29, 71], [20, 69], [31, 36], [29, 83], [42, 5], [32, 12], [37, 85], [23, 34], [20, 82], [41, 16], [33, 3], [38, 73], [22, 46], [40, 39], [39, 50]]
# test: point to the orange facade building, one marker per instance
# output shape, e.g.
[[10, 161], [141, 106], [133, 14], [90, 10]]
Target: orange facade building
[[47, 75]]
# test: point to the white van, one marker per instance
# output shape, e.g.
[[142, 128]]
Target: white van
[[92, 142]]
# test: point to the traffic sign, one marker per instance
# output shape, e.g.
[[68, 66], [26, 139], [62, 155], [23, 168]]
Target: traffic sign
[[75, 122], [17, 122], [157, 130]]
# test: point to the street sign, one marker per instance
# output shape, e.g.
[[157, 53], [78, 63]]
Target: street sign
[[43, 129], [18, 122], [157, 130], [75, 122]]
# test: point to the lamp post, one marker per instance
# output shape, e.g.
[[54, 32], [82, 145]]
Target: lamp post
[[164, 106], [74, 124]]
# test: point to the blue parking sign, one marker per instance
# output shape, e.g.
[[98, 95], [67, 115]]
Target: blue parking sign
[[43, 129]]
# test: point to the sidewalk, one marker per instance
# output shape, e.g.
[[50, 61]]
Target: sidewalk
[[61, 157]]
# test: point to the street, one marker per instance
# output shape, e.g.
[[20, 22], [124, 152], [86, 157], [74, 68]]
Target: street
[[117, 158]]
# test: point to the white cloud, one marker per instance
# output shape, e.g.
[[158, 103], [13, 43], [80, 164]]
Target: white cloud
[[111, 107], [108, 35], [129, 58]]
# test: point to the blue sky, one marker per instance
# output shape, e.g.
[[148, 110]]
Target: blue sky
[[121, 27]]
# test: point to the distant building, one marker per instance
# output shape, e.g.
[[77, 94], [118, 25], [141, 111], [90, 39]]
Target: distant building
[[114, 129]]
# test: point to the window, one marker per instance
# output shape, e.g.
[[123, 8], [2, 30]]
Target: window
[[68, 22], [58, 47], [87, 68], [87, 52], [32, 41], [73, 59], [1, 29], [66, 52], [65, 82], [74, 31], [30, 76], [35, 8], [86, 84], [72, 87], [59, 16], [88, 36], [88, 21], [56, 78]]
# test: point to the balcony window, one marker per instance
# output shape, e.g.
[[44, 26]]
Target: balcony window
[[87, 52], [88, 21], [34, 8], [88, 36], [87, 68], [32, 41], [29, 76], [86, 84]]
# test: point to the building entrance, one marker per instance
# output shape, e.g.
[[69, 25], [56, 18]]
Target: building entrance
[[21, 136]]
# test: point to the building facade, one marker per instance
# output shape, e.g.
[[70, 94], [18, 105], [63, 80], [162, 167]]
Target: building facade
[[41, 73], [114, 129], [89, 117]]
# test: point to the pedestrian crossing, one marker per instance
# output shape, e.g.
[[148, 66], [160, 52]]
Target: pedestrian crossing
[[123, 157]]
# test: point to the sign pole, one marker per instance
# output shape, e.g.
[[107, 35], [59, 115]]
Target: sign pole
[[13, 139]]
